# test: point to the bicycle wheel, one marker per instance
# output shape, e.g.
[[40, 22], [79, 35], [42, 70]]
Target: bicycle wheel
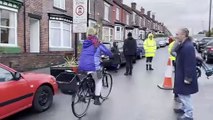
[[80, 102], [106, 86]]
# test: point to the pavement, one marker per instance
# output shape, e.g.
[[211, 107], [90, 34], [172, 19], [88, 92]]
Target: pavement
[[135, 97]]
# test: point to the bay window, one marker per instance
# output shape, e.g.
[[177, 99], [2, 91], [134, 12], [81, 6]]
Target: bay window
[[8, 27], [60, 34]]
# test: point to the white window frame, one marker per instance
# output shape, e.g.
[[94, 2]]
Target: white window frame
[[92, 22], [110, 36], [127, 19], [61, 4], [117, 13], [62, 35], [140, 20], [144, 22], [15, 13], [89, 5], [133, 18], [106, 14]]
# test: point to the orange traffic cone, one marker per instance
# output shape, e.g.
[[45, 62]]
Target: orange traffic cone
[[167, 84]]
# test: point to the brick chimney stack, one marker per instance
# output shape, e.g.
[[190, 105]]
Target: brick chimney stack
[[142, 10], [149, 14], [133, 5]]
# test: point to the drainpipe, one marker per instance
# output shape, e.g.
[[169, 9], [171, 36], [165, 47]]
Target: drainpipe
[[25, 46]]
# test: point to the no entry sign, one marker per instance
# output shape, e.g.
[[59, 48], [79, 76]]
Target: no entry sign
[[79, 16]]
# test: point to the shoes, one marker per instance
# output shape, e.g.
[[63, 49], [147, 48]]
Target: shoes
[[97, 100], [185, 118], [150, 67], [126, 74], [177, 99], [147, 67], [179, 111]]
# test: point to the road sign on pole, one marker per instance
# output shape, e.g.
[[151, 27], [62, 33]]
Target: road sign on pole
[[79, 16]]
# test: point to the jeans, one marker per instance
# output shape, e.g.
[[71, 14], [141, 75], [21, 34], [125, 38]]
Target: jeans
[[186, 105]]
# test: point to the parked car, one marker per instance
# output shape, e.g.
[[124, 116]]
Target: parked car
[[24, 90], [109, 45], [207, 53], [140, 50], [201, 44], [161, 42]]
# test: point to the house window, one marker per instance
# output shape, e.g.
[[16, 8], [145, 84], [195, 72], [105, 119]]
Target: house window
[[8, 27], [60, 34], [127, 19], [106, 11], [107, 34], [117, 13], [59, 4]]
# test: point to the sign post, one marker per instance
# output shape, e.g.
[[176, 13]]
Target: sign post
[[79, 20]]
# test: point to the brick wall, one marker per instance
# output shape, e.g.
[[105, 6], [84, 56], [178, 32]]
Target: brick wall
[[26, 62]]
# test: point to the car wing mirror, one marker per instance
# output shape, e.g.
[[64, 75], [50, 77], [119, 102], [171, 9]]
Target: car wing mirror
[[17, 76]]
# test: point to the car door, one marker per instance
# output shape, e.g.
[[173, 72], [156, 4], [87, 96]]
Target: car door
[[15, 95], [120, 48]]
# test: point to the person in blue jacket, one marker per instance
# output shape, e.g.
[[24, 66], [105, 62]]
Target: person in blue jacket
[[90, 60], [185, 83]]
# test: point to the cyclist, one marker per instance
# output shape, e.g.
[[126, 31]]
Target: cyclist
[[90, 58]]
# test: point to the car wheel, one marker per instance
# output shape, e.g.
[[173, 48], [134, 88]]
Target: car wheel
[[118, 66], [43, 99]]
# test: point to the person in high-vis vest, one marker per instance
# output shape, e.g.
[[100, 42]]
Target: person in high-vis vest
[[172, 56], [150, 48], [172, 46]]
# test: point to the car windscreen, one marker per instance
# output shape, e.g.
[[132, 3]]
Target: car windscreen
[[210, 43], [207, 39]]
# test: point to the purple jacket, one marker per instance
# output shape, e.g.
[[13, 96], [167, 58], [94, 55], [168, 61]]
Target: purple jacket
[[91, 55]]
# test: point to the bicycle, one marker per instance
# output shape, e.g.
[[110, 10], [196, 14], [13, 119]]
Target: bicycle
[[83, 90], [201, 64]]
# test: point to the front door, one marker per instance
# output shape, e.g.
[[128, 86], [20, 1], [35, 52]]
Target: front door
[[34, 36]]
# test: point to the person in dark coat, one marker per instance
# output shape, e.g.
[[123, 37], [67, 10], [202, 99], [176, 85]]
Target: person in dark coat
[[185, 82], [116, 56], [129, 49]]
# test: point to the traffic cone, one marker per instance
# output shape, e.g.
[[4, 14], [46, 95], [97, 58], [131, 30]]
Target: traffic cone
[[167, 84]]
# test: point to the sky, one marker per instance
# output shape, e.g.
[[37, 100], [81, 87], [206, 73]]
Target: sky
[[175, 14]]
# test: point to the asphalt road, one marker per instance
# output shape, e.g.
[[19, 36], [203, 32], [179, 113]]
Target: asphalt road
[[134, 97]]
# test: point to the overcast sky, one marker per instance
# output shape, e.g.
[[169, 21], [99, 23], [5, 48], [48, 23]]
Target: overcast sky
[[192, 14]]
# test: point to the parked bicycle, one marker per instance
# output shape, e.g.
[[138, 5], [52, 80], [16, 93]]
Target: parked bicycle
[[82, 89], [202, 64]]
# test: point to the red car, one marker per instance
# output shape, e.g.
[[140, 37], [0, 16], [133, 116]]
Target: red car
[[19, 91]]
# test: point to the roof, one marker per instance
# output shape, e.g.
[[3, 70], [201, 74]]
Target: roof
[[127, 8], [109, 2]]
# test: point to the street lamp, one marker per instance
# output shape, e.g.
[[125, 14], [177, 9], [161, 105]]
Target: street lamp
[[210, 13]]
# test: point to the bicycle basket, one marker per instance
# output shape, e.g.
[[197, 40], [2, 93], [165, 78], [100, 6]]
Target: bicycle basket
[[68, 82]]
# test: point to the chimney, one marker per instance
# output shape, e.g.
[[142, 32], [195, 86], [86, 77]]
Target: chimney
[[142, 10], [153, 17], [133, 5], [149, 14]]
